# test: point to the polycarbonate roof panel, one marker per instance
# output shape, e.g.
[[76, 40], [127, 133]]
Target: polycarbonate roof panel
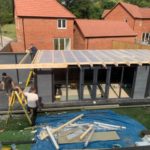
[[58, 58], [45, 57], [69, 57], [79, 57]]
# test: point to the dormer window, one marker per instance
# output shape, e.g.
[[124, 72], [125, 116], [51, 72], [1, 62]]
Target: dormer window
[[62, 24]]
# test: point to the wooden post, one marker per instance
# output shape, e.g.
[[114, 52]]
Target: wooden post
[[89, 138], [52, 137], [86, 132]]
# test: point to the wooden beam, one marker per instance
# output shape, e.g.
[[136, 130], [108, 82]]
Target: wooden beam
[[89, 138], [24, 58], [67, 123], [86, 132], [52, 137], [37, 57], [32, 66]]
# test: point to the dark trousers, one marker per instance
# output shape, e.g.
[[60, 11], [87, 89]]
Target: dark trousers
[[33, 114]]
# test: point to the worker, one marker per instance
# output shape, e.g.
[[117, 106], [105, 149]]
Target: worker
[[32, 103], [7, 83], [33, 50]]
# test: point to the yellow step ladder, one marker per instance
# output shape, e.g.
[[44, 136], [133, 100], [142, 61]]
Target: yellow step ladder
[[31, 73], [17, 95]]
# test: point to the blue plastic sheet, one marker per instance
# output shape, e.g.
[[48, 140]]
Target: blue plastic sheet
[[128, 137]]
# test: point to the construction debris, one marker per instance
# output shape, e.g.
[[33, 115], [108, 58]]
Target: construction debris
[[89, 138], [86, 132], [109, 126], [49, 130], [97, 136], [43, 134], [145, 141], [72, 132]]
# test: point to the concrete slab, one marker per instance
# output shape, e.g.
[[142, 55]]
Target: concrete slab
[[5, 41]]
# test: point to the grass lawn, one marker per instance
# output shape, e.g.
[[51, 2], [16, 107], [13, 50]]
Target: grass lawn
[[13, 131], [9, 30], [141, 114]]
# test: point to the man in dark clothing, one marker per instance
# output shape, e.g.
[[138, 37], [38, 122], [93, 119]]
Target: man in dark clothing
[[7, 83], [33, 50]]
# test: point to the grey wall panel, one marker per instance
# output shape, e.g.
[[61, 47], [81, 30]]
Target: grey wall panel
[[11, 73], [28, 60], [12, 59], [7, 59], [23, 75], [44, 84], [141, 82]]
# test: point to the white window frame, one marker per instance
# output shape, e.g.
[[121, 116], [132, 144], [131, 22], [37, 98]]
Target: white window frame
[[65, 39], [146, 40], [61, 24]]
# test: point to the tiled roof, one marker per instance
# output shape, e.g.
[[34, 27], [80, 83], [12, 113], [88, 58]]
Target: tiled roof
[[41, 8], [137, 12], [102, 28], [145, 12], [133, 10]]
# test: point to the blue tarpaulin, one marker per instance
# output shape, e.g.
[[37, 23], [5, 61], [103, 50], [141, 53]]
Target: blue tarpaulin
[[128, 137]]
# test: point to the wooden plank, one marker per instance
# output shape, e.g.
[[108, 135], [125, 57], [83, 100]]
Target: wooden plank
[[38, 57], [86, 132], [89, 138], [24, 58], [67, 123], [52, 137], [97, 136], [32, 66]]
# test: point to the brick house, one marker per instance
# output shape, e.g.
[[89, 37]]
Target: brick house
[[137, 18], [46, 23], [99, 34]]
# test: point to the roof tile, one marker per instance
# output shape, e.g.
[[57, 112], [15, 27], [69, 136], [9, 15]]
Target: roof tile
[[41, 8], [102, 28]]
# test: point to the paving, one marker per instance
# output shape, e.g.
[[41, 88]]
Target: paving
[[4, 42], [3, 101]]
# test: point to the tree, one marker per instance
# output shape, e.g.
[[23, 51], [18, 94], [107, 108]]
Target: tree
[[83, 8], [6, 11], [140, 3]]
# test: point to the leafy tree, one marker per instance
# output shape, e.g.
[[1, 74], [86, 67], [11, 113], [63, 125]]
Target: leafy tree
[[83, 8], [141, 3], [6, 11], [91, 9]]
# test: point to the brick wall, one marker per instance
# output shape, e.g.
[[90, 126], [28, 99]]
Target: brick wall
[[79, 40], [141, 26], [138, 25], [120, 14], [106, 43], [41, 32]]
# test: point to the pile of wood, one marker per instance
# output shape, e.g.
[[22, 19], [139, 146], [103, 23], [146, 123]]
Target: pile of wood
[[71, 132]]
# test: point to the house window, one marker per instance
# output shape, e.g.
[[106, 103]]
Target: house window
[[62, 24], [62, 44], [146, 38]]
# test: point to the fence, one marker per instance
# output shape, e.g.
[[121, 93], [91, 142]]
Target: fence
[[127, 45], [19, 76]]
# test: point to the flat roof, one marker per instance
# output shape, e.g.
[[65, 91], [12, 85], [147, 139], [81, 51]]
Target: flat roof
[[62, 59], [93, 57]]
